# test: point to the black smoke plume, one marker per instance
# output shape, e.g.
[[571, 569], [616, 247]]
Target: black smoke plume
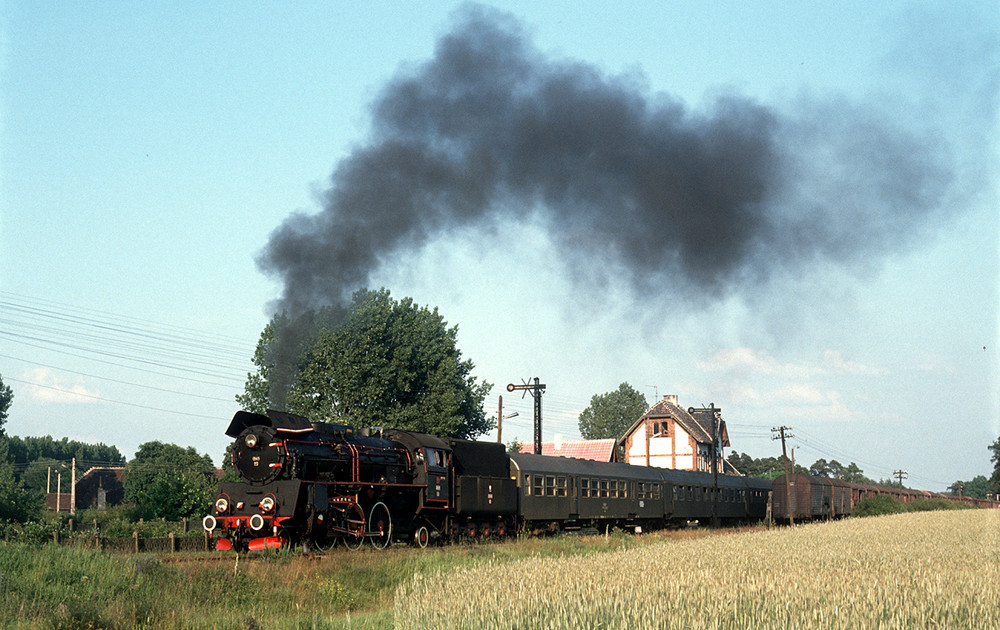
[[703, 202]]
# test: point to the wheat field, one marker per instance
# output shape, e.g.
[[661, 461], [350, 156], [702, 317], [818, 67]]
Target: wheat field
[[916, 570]]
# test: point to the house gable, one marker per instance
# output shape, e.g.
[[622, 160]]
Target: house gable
[[669, 436]]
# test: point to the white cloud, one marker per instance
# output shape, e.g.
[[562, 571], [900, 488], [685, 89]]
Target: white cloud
[[750, 361], [47, 386], [833, 360]]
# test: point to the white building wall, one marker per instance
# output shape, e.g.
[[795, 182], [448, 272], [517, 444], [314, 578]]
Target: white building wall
[[638, 444], [682, 443], [660, 446]]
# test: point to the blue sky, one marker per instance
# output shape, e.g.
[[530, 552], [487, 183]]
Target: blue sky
[[148, 152]]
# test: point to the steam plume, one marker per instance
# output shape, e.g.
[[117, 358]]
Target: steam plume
[[701, 201]]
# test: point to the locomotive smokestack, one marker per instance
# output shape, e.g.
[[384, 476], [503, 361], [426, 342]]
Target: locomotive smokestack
[[707, 201]]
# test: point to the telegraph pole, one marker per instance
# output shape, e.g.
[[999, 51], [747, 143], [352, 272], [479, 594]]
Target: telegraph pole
[[785, 432], [72, 492], [536, 390], [499, 419], [715, 468], [900, 475]]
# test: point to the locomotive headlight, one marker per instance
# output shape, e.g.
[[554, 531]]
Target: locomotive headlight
[[221, 505], [250, 440], [267, 504]]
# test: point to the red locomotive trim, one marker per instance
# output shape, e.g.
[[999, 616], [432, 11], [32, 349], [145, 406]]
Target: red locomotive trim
[[267, 542]]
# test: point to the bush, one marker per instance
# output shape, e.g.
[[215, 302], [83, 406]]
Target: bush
[[878, 505], [928, 505]]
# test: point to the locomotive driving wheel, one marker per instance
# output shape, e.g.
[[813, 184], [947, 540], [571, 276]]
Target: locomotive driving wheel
[[354, 522], [421, 537], [380, 526]]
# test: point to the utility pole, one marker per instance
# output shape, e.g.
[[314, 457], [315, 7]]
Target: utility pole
[[499, 418], [900, 475], [715, 468], [72, 492], [785, 432], [536, 390]]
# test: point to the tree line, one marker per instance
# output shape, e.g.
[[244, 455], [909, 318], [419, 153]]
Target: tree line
[[376, 361]]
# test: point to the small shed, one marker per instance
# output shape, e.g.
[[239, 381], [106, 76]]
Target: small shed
[[100, 487]]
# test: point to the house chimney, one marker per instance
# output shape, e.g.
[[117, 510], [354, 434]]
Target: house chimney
[[670, 398], [558, 444]]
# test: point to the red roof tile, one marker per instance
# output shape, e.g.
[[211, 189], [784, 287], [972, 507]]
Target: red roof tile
[[597, 450]]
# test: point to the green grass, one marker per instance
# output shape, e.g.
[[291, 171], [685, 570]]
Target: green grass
[[50, 586], [905, 569]]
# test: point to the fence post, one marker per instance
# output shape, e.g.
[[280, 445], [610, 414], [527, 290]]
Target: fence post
[[135, 539], [173, 542], [55, 536], [184, 525], [71, 525], [208, 547]]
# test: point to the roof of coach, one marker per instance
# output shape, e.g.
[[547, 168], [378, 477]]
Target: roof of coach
[[529, 462]]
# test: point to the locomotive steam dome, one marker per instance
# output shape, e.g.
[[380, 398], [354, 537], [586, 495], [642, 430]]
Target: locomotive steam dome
[[257, 455]]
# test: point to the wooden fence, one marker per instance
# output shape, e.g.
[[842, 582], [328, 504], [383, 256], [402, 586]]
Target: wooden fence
[[135, 543]]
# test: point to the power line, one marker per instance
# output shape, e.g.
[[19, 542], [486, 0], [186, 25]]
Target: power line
[[114, 380], [117, 402]]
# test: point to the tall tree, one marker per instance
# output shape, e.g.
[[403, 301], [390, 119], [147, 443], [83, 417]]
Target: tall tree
[[995, 477], [257, 388], [610, 415], [381, 363], [16, 503], [6, 398], [169, 481]]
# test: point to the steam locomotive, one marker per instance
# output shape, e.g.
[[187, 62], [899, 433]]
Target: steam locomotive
[[321, 484]]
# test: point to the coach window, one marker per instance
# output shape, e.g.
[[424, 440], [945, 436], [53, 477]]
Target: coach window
[[584, 487], [560, 486], [604, 488], [550, 485], [539, 489]]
